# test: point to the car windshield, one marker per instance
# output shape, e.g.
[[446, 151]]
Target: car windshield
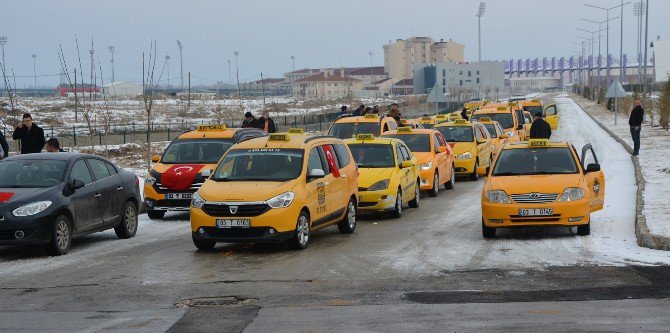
[[456, 133], [417, 143], [505, 119], [206, 151], [31, 173], [349, 130], [265, 164], [492, 130], [428, 126], [373, 155], [533, 109], [515, 162]]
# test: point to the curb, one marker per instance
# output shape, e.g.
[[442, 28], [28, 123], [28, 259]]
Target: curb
[[644, 237]]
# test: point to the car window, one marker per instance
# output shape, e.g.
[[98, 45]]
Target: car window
[[436, 143], [80, 171], [440, 139], [406, 155], [330, 149], [112, 169], [99, 168], [314, 161], [398, 153], [392, 125], [478, 133], [342, 155]]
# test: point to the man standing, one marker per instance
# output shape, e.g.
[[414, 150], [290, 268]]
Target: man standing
[[31, 135], [249, 121], [540, 129], [266, 123], [635, 123], [464, 113], [395, 113], [343, 110], [4, 145]]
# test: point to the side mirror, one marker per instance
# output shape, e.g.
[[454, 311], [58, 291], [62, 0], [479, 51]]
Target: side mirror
[[76, 184], [316, 173], [155, 159], [406, 164], [503, 136], [520, 127], [481, 171], [206, 173], [592, 167], [479, 142], [442, 149]]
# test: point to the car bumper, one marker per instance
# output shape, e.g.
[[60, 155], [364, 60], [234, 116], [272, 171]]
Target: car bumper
[[34, 230], [427, 179], [376, 201], [564, 214], [157, 201], [280, 220], [241, 235], [464, 167]]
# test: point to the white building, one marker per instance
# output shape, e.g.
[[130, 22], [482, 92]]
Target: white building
[[661, 60], [122, 89]]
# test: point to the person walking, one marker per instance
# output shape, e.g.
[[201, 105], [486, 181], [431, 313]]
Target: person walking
[[635, 123], [30, 135], [359, 111], [249, 121], [266, 123], [540, 129], [464, 113]]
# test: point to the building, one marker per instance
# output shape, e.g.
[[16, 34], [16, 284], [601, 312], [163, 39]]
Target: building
[[460, 79], [292, 76], [525, 85], [403, 87], [401, 56], [65, 89], [661, 62], [122, 89], [269, 83], [329, 83]]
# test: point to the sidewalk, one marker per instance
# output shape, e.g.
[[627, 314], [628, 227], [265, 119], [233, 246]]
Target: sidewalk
[[654, 163]]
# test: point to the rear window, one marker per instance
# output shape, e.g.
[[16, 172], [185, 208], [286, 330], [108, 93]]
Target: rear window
[[505, 119], [456, 133], [492, 130], [418, 143]]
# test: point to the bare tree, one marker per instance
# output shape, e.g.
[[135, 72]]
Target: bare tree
[[149, 86]]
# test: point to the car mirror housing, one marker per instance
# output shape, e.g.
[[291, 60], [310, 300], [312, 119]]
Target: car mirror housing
[[503, 136], [442, 149], [406, 164], [316, 173], [592, 167], [206, 173], [76, 184]]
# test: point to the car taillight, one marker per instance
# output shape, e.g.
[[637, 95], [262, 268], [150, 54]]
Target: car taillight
[[137, 181]]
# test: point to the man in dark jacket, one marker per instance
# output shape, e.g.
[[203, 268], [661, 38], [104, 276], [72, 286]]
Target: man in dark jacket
[[4, 145], [359, 111], [31, 135], [395, 113], [540, 129], [464, 114], [635, 123], [266, 123], [249, 121]]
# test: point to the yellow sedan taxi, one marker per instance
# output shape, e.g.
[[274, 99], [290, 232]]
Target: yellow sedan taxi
[[347, 127], [550, 112], [507, 119], [498, 136], [471, 145], [436, 161], [388, 174], [542, 183], [177, 173], [276, 188]]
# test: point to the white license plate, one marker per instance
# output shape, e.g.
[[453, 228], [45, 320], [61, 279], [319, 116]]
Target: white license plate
[[233, 223], [176, 196], [536, 212]]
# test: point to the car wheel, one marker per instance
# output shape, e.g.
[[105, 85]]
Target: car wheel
[[203, 244], [436, 186], [488, 232], [155, 214], [127, 228], [584, 229], [397, 209], [348, 223], [301, 237], [414, 203], [61, 237], [452, 181], [474, 176]]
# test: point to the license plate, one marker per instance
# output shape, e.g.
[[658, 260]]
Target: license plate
[[176, 196], [233, 223], [536, 212]]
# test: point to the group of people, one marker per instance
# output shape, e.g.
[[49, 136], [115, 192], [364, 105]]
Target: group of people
[[362, 110], [31, 138], [265, 122]]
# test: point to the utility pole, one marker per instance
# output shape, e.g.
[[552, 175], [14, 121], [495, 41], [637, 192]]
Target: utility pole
[[638, 10], [263, 88], [480, 13], [181, 66], [372, 75], [189, 91], [293, 63], [34, 56], [167, 64], [237, 75], [230, 76], [111, 52], [607, 11], [3, 42], [646, 36]]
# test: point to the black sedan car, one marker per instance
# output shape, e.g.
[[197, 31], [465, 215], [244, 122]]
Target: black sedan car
[[50, 198]]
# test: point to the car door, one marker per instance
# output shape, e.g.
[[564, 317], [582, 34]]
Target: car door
[[441, 158], [337, 192], [483, 145], [86, 200], [409, 177], [551, 116], [317, 189], [595, 180], [110, 189]]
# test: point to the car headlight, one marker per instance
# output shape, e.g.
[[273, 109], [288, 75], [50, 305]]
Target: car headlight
[[497, 196], [150, 180], [31, 208], [465, 156], [281, 201], [510, 134], [572, 194], [426, 166], [197, 201], [380, 185]]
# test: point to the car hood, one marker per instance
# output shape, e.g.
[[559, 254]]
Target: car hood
[[534, 183], [369, 176], [424, 157], [243, 190], [26, 195], [460, 147]]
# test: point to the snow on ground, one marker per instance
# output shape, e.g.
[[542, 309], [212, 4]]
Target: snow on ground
[[654, 160]]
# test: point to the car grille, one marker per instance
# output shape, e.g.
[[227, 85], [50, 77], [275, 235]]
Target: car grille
[[242, 210], [534, 197], [174, 203], [236, 232], [366, 204], [159, 188]]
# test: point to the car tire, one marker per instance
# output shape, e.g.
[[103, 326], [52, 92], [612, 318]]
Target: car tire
[[203, 244], [488, 232], [436, 185], [155, 214], [414, 203], [397, 209], [474, 176], [452, 180], [584, 229], [301, 236], [127, 228], [348, 223], [61, 237]]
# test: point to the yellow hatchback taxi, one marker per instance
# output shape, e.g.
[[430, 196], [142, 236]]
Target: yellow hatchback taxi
[[436, 161], [388, 174], [471, 145], [542, 183], [412, 123], [347, 127], [177, 173], [276, 188], [505, 117]]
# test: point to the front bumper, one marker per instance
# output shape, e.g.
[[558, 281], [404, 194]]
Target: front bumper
[[465, 167], [157, 201], [565, 214], [376, 201], [35, 230], [427, 179]]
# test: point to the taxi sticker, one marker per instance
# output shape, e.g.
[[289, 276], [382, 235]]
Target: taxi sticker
[[460, 121], [321, 197], [205, 128], [538, 143], [371, 116], [280, 137], [296, 131], [404, 129]]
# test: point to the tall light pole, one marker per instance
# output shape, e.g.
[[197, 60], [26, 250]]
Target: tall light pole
[[34, 56], [646, 36], [607, 11], [593, 40], [480, 13], [237, 76], [600, 29], [111, 52], [167, 64], [230, 76], [588, 45], [638, 10], [181, 64], [293, 63], [3, 41]]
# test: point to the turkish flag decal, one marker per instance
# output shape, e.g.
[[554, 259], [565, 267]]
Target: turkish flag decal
[[180, 177], [5, 196]]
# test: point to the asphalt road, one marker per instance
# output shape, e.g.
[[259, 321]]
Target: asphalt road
[[430, 270]]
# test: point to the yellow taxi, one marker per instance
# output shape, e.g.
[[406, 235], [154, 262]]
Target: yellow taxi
[[532, 105], [388, 174], [470, 143], [528, 121], [542, 183], [472, 105], [441, 118], [427, 121], [436, 161], [347, 127], [498, 135], [275, 188], [507, 119], [412, 123], [177, 173]]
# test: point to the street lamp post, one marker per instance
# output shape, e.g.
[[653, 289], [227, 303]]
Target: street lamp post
[[111, 52], [607, 11], [230, 76], [3, 41], [638, 10], [237, 77], [293, 63], [480, 13], [167, 64], [593, 40], [34, 56], [646, 36], [372, 75], [600, 29], [181, 64]]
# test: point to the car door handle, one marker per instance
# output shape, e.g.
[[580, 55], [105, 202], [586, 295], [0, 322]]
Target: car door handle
[[97, 195], [119, 188], [343, 176]]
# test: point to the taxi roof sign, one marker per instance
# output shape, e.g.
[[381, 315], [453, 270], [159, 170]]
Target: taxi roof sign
[[366, 136], [441, 116], [404, 129], [426, 118], [484, 119], [279, 137], [538, 143], [535, 101], [501, 108], [296, 131], [460, 121], [205, 128], [371, 115]]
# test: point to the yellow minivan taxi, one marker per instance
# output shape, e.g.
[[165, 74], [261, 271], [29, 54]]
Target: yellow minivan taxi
[[177, 173], [347, 127], [276, 188], [471, 145], [436, 161], [388, 174], [542, 183]]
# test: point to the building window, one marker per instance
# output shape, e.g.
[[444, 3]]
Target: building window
[[444, 72], [477, 72], [477, 80], [444, 90], [469, 73], [444, 81], [460, 73], [461, 82]]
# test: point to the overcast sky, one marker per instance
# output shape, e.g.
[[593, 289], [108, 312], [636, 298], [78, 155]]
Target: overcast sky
[[268, 32]]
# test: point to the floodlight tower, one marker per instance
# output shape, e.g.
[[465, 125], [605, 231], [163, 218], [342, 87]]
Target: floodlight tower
[[111, 52], [181, 64], [480, 13]]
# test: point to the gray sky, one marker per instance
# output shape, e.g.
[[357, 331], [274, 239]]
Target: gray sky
[[318, 33]]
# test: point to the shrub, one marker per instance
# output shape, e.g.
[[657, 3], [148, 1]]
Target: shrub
[[664, 106]]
